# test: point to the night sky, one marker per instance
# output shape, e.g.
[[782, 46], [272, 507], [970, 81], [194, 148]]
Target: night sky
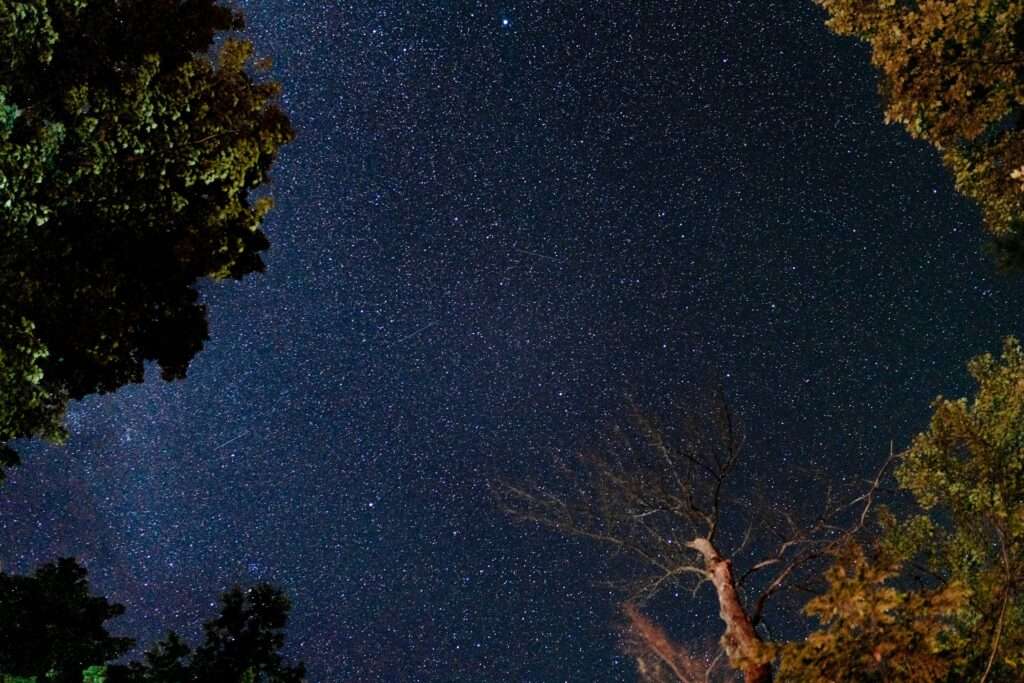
[[498, 221]]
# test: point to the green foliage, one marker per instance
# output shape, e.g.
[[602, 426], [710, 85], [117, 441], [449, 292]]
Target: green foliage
[[24, 400], [94, 674], [872, 631], [953, 75], [942, 598], [967, 473], [127, 161]]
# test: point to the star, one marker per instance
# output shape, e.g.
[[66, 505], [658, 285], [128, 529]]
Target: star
[[648, 218]]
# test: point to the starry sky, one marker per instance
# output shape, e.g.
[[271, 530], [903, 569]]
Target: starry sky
[[498, 220]]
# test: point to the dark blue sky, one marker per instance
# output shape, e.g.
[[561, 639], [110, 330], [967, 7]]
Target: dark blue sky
[[497, 220]]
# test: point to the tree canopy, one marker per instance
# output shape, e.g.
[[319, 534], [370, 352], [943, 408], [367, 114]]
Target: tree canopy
[[952, 72], [242, 644], [53, 629], [136, 140], [967, 474], [942, 599], [128, 161]]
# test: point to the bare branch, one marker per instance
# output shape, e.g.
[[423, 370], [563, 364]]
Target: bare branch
[[662, 498]]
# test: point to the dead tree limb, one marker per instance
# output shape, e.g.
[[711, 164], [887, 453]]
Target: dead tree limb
[[664, 495]]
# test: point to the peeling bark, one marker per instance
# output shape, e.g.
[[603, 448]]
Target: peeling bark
[[742, 644]]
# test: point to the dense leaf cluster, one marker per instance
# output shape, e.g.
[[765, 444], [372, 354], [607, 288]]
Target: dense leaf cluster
[[953, 75], [128, 159], [942, 597]]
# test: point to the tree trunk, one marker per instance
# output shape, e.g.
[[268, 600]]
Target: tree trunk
[[741, 642]]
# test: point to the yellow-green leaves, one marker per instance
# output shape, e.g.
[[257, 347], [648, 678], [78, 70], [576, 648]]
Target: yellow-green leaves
[[940, 596], [873, 631], [970, 459], [967, 471], [952, 75], [25, 403]]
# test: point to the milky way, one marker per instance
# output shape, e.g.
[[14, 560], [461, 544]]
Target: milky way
[[497, 221]]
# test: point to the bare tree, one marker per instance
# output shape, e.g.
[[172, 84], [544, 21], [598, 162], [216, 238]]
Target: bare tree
[[670, 498]]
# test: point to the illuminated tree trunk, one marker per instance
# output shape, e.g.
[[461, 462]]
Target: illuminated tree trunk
[[742, 644]]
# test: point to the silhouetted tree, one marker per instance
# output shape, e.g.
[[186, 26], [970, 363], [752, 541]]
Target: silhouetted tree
[[165, 662], [51, 627], [245, 639], [242, 646], [953, 75], [127, 161]]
